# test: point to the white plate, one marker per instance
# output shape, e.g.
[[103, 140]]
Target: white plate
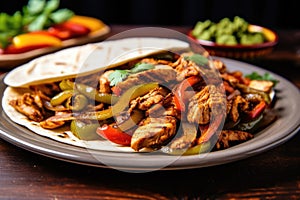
[[284, 128]]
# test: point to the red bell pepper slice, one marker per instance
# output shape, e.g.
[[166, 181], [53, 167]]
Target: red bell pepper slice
[[179, 97], [60, 33], [114, 135], [74, 29], [209, 131], [257, 110]]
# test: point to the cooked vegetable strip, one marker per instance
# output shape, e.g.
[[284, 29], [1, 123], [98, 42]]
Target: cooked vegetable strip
[[85, 130], [61, 97], [92, 93], [132, 120], [77, 102], [66, 85], [123, 102]]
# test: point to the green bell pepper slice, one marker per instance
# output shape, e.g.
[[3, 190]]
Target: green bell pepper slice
[[85, 131], [61, 97], [92, 93], [121, 105]]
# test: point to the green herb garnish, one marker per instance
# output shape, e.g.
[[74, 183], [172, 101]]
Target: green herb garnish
[[266, 76], [36, 15], [45, 13], [119, 75], [198, 59]]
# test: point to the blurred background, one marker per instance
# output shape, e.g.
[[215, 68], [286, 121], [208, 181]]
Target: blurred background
[[274, 14]]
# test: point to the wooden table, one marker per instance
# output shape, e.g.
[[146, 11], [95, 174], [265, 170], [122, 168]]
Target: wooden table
[[270, 175]]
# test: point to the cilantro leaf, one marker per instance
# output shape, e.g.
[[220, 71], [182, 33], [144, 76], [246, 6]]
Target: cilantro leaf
[[139, 67], [266, 76], [198, 59], [117, 76]]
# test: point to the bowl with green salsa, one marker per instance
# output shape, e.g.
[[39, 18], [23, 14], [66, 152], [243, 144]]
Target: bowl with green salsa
[[234, 38]]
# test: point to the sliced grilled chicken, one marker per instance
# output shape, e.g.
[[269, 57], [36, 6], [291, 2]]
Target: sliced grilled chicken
[[209, 101], [30, 105], [153, 133], [230, 138], [188, 137], [158, 128], [150, 99], [161, 73], [235, 106]]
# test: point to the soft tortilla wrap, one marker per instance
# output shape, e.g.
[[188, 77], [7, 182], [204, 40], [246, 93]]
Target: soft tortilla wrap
[[87, 59], [69, 62]]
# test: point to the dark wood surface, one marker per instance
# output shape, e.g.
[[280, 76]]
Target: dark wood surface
[[271, 175]]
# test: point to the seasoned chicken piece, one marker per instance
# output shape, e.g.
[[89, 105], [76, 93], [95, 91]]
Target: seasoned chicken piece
[[30, 105], [235, 106], [104, 83], [153, 133], [58, 120], [155, 61], [153, 97], [230, 138], [188, 137], [49, 124], [158, 128], [185, 68], [49, 89], [230, 78], [262, 85], [164, 108], [219, 65], [161, 74], [209, 101]]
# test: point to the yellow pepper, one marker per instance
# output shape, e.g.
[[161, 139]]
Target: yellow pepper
[[92, 23], [34, 39]]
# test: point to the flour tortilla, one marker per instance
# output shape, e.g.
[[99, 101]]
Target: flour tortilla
[[87, 59], [71, 62]]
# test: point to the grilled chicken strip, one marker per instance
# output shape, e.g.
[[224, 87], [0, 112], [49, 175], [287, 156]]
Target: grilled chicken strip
[[235, 106], [153, 133], [188, 137], [51, 123], [147, 101], [158, 128], [161, 74], [30, 105], [230, 138], [48, 90], [185, 68], [209, 101], [104, 84]]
